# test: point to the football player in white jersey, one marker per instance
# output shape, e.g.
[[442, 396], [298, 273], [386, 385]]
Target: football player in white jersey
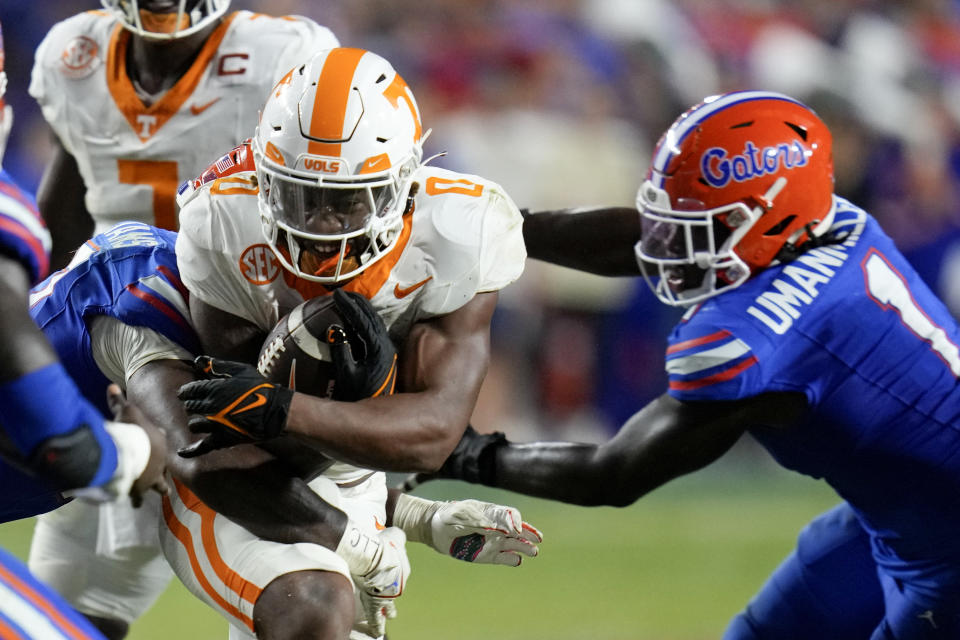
[[339, 199], [141, 94]]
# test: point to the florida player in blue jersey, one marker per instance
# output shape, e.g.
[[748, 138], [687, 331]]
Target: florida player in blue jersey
[[805, 327], [53, 444]]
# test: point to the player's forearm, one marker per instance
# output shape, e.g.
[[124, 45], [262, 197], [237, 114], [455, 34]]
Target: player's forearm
[[597, 240], [246, 484], [60, 199], [402, 432]]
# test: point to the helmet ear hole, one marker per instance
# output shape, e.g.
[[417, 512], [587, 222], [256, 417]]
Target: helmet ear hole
[[778, 228]]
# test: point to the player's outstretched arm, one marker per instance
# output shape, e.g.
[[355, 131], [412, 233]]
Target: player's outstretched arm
[[60, 200], [664, 440], [468, 530], [598, 240]]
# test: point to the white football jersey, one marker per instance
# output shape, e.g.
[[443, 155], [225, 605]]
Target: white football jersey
[[131, 156], [463, 237]]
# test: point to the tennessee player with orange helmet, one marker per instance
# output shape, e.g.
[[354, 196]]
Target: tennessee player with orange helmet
[[806, 328], [338, 202]]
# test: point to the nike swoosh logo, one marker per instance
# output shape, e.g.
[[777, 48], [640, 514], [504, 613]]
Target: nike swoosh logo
[[197, 110], [401, 292], [258, 401], [377, 525]]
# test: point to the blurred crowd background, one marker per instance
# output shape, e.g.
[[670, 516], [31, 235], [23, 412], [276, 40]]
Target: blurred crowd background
[[561, 101]]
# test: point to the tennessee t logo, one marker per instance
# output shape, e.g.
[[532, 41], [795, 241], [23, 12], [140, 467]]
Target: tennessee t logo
[[404, 292]]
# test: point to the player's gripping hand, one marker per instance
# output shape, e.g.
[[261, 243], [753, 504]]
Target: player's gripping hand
[[380, 570], [152, 477], [468, 530], [372, 370], [234, 405]]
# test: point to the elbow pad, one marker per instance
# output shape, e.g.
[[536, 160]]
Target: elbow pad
[[69, 461], [55, 430]]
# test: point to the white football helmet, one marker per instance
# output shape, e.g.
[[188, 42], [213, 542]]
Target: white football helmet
[[338, 141], [6, 113], [191, 16]]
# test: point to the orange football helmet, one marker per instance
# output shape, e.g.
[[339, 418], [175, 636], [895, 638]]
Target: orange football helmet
[[737, 183]]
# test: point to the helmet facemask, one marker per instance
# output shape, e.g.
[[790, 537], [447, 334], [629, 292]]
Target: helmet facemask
[[336, 150], [327, 230], [686, 252], [190, 17]]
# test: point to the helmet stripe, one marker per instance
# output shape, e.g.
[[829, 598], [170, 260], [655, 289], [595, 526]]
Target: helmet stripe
[[693, 118], [331, 95]]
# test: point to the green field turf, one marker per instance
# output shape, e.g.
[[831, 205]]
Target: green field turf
[[675, 566]]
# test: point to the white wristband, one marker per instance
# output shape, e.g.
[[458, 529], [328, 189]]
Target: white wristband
[[133, 453], [414, 515], [361, 551]]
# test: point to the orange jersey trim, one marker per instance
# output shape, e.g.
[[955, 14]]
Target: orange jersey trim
[[330, 104], [42, 604], [723, 376], [695, 342], [368, 282], [146, 121], [9, 633]]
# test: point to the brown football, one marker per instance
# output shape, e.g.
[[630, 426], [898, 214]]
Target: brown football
[[296, 353]]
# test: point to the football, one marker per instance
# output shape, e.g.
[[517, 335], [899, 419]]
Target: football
[[296, 353]]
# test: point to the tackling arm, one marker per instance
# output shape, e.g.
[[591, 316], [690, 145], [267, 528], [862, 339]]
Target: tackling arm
[[596, 240], [664, 440], [60, 199], [245, 483]]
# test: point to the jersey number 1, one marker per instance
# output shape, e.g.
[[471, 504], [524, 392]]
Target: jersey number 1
[[888, 288]]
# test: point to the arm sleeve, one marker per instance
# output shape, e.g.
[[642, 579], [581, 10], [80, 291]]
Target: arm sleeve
[[502, 251], [42, 90], [121, 350]]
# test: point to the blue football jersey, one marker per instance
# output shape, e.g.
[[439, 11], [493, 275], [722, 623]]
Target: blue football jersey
[[852, 327], [130, 273], [23, 235]]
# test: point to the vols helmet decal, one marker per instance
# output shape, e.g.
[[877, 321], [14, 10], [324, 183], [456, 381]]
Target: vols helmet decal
[[338, 141], [738, 182]]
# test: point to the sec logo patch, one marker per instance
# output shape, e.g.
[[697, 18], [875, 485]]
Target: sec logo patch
[[258, 264], [80, 57]]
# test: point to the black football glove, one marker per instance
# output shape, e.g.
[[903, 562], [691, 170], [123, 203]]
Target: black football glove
[[371, 370], [234, 405], [473, 460]]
